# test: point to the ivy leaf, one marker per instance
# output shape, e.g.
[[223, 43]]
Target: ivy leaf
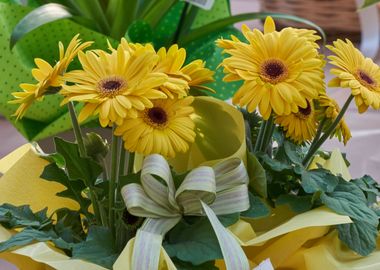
[[77, 167], [298, 204], [74, 189], [30, 235], [195, 243], [257, 209], [257, 177], [22, 216], [318, 179], [180, 265], [348, 199], [98, 248]]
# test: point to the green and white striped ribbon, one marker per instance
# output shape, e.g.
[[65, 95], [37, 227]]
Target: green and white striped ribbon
[[205, 191]]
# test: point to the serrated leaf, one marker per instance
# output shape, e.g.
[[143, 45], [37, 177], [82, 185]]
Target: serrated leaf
[[257, 177], [195, 243], [318, 179], [22, 216], [98, 248], [370, 188], [298, 204], [74, 188], [38, 17], [30, 235], [77, 167], [348, 199], [360, 236]]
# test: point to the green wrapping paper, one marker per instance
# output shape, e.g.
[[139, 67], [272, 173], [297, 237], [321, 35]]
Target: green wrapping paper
[[47, 118]]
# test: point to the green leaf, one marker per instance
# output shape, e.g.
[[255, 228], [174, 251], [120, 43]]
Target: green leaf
[[370, 188], [195, 243], [348, 199], [30, 235], [257, 209], [228, 220], [222, 23], [257, 177], [22, 216], [69, 226], [293, 151], [275, 165], [74, 189], [298, 204], [98, 248], [180, 265], [318, 179], [77, 167], [38, 17], [360, 236], [368, 3]]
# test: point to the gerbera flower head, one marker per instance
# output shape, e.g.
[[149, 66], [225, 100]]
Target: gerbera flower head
[[280, 69], [300, 126], [328, 109], [165, 128], [114, 85], [181, 77], [356, 72], [47, 76]]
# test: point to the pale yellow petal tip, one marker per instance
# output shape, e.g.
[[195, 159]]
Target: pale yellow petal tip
[[269, 25]]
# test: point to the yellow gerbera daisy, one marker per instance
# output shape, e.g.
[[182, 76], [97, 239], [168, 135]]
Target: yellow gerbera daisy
[[114, 84], [328, 108], [356, 72], [165, 129], [301, 126], [280, 70], [47, 76], [181, 78]]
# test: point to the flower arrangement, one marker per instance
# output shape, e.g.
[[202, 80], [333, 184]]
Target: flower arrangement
[[193, 182]]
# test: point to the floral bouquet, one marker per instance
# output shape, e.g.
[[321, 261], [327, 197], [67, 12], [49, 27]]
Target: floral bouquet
[[189, 181]]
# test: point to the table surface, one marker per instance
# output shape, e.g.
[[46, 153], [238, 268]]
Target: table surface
[[363, 150]]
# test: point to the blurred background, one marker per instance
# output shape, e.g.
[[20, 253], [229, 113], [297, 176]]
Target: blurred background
[[337, 18]]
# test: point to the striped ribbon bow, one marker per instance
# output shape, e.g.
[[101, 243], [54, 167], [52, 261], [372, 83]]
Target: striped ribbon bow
[[205, 191]]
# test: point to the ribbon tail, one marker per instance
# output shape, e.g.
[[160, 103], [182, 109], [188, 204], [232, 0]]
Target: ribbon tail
[[146, 251], [233, 254]]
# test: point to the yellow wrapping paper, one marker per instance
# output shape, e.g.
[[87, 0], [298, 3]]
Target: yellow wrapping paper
[[290, 241]]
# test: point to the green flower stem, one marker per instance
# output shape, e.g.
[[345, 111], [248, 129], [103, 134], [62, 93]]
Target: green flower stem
[[329, 131], [112, 181], [121, 170], [268, 133], [260, 136], [131, 161], [77, 130], [319, 132]]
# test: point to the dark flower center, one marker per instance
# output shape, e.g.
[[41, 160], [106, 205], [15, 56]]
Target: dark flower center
[[305, 111], [111, 86], [273, 70], [157, 115], [364, 77]]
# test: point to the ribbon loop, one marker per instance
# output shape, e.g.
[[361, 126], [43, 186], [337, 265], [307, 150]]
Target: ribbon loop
[[204, 191]]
